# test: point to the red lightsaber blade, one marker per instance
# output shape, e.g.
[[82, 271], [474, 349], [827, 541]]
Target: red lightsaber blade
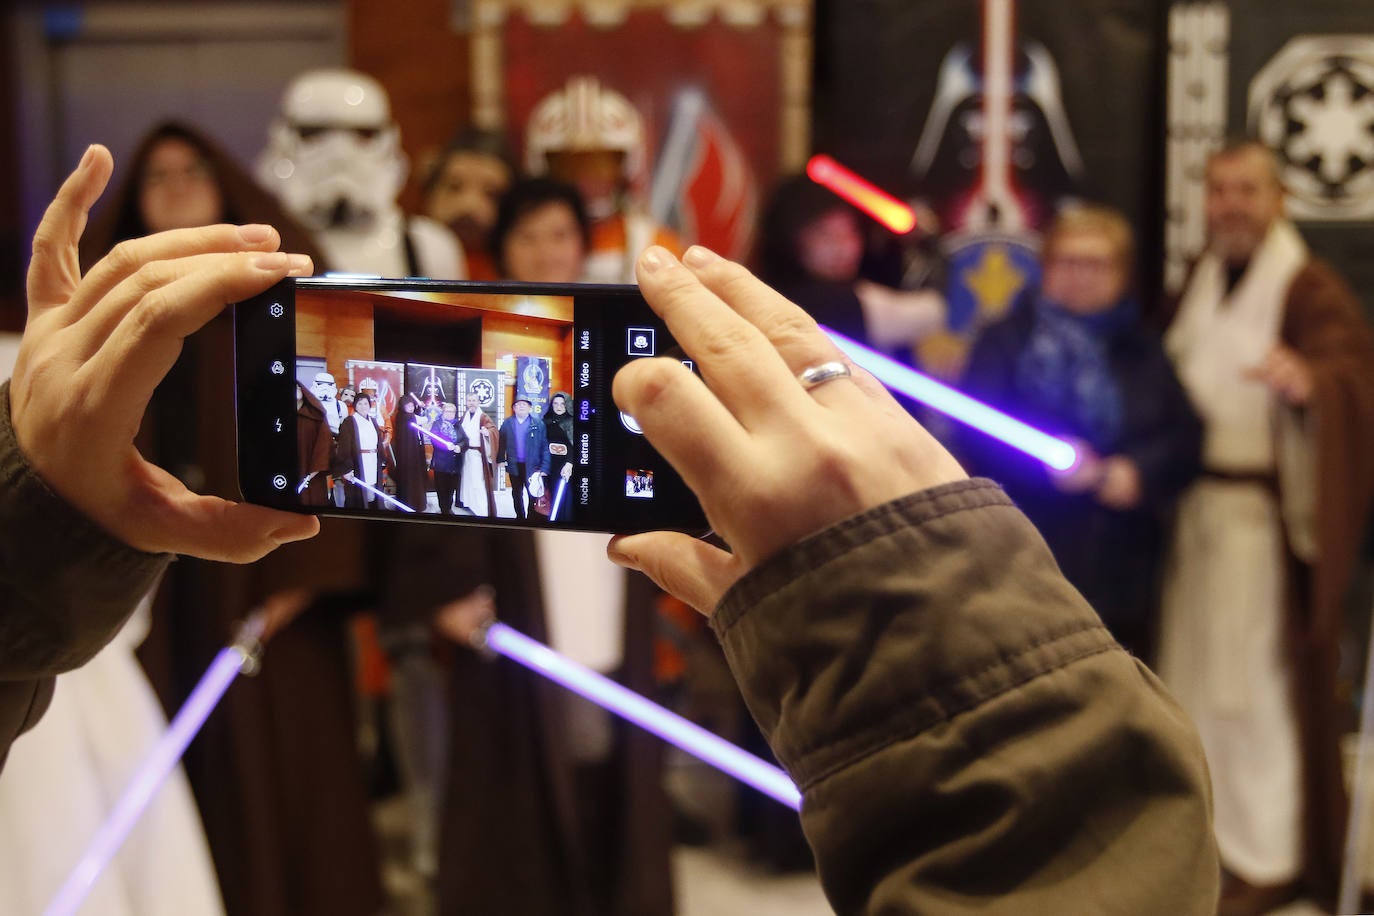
[[880, 205]]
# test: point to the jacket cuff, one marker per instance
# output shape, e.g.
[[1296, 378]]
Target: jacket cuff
[[68, 584], [897, 619]]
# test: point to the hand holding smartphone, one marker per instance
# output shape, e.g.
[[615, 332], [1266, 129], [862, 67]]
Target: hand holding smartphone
[[473, 403]]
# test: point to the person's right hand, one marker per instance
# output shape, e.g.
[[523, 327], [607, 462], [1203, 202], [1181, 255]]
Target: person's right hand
[[96, 346], [462, 619], [759, 450], [1086, 473]]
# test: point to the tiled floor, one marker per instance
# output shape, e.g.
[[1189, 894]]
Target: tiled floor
[[712, 882]]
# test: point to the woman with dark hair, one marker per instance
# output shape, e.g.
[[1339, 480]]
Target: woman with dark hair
[[178, 178], [285, 807], [558, 423], [541, 234], [811, 249]]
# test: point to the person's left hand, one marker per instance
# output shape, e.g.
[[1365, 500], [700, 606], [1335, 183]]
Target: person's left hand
[[96, 346], [460, 620], [567, 471], [1287, 374], [280, 608]]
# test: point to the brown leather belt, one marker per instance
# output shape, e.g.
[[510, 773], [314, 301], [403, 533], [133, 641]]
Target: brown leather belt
[[1267, 479]]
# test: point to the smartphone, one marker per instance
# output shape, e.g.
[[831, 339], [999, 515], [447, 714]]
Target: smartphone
[[462, 402]]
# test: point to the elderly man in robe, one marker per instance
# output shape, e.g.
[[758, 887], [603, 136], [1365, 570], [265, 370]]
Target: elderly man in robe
[[1271, 346]]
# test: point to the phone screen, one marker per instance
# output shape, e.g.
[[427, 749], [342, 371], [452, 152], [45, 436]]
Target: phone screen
[[463, 402]]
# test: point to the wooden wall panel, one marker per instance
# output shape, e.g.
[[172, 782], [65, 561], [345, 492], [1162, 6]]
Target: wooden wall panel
[[13, 244], [337, 331], [423, 63], [502, 335]]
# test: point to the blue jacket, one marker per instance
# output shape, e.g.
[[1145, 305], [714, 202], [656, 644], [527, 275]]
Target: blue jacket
[[536, 445], [444, 460]]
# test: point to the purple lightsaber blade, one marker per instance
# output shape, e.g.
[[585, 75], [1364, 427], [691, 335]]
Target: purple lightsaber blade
[[629, 705], [439, 439], [240, 656], [558, 498], [1053, 451], [379, 494]]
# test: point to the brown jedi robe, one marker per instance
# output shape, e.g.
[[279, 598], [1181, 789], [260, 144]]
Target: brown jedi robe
[[410, 471], [1323, 322], [314, 447], [512, 840], [275, 770]]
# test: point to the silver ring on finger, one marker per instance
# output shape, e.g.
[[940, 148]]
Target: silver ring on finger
[[826, 372]]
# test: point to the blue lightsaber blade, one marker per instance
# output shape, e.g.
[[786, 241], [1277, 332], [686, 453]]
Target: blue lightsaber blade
[[558, 498], [240, 656], [1051, 450], [629, 705], [439, 439], [378, 493]]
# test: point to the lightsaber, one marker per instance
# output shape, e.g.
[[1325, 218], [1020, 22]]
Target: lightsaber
[[439, 439], [558, 498], [378, 493], [880, 205], [240, 656], [648, 715], [1051, 450]]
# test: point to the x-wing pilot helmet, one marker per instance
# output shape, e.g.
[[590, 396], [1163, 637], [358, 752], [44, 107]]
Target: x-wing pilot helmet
[[588, 136], [334, 155]]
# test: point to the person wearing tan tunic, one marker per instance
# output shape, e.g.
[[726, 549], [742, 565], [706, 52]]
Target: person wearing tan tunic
[[1270, 345]]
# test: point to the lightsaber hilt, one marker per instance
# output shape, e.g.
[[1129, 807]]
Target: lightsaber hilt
[[439, 439], [606, 693], [380, 494]]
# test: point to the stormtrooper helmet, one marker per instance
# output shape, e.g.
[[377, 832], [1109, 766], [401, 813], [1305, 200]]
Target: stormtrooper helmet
[[323, 386], [334, 155]]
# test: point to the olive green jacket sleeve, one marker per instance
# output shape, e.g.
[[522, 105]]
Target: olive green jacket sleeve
[[66, 586], [965, 733]]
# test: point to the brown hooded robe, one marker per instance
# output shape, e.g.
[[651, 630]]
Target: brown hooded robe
[[275, 769], [514, 837]]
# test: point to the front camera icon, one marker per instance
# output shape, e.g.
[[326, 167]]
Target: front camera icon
[[277, 367], [279, 481]]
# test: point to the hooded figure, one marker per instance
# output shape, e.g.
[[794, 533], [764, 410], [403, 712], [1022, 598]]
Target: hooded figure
[[558, 424], [285, 808]]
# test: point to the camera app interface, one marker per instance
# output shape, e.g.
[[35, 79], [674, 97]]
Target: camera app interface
[[479, 404]]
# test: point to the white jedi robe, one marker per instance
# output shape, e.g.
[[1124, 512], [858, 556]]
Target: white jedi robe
[[1221, 640], [62, 780], [473, 490]]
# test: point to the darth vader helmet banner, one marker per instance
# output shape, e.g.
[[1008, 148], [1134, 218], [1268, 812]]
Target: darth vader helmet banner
[[996, 156], [992, 115]]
